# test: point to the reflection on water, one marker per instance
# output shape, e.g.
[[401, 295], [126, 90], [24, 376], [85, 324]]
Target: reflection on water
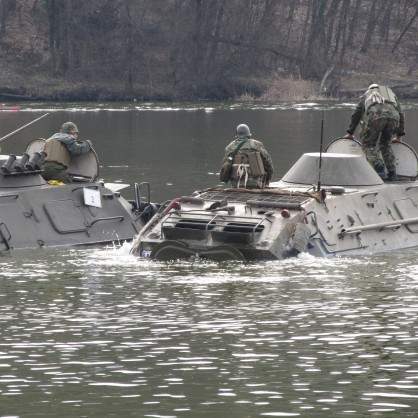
[[100, 333], [103, 333]]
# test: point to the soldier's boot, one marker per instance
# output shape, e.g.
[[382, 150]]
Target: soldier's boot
[[380, 169], [392, 176]]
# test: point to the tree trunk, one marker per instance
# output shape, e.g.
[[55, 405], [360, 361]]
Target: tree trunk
[[129, 48], [315, 55], [324, 79], [371, 25], [398, 41]]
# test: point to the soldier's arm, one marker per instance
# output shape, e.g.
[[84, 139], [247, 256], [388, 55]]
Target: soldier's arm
[[228, 150], [355, 118], [400, 130], [268, 166], [268, 163], [77, 148]]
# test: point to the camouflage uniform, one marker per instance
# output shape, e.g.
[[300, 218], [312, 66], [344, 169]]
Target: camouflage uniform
[[251, 145], [380, 120], [53, 170]]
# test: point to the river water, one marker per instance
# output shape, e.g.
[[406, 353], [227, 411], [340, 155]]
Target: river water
[[96, 332]]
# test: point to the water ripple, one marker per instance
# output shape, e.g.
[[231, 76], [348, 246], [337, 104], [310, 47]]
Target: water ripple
[[100, 330]]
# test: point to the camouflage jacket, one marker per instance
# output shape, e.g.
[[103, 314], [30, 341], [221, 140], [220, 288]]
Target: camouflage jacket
[[74, 147], [253, 145], [378, 111]]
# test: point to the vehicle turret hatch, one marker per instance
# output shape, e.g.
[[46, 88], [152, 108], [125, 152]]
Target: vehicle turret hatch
[[334, 170]]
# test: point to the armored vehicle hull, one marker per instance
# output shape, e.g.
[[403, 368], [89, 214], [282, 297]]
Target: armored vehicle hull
[[327, 204], [35, 213]]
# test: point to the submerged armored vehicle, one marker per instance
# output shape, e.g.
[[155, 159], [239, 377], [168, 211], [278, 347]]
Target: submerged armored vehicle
[[328, 204], [35, 213]]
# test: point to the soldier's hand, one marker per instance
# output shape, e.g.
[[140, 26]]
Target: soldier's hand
[[397, 139], [349, 136]]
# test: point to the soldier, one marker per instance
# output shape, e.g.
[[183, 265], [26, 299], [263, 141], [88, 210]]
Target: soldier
[[252, 166], [382, 116], [60, 147]]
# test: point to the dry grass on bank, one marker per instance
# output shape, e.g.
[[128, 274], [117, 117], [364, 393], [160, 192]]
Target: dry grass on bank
[[289, 89], [284, 89]]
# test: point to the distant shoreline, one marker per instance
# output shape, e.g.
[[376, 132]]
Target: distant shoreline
[[275, 89]]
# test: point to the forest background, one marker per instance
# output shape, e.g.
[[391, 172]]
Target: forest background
[[186, 50]]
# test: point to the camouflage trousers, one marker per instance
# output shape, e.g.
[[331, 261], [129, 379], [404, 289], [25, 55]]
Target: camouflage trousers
[[382, 128], [52, 170]]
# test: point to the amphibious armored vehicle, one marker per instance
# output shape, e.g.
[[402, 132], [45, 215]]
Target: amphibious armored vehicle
[[328, 204], [35, 213]]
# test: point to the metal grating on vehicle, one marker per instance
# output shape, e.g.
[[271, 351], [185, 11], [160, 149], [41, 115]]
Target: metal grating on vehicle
[[235, 196]]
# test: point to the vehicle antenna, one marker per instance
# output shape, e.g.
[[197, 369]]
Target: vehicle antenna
[[21, 128], [320, 151]]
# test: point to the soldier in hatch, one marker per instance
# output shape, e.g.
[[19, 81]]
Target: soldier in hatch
[[382, 117], [252, 166], [60, 147]]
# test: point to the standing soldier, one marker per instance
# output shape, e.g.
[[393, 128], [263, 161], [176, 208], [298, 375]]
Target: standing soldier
[[381, 116]]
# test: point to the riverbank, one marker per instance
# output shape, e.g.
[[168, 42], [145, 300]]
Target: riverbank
[[214, 51], [15, 87]]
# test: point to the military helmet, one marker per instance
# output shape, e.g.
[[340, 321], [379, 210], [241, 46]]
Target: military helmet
[[243, 130], [373, 86], [69, 128]]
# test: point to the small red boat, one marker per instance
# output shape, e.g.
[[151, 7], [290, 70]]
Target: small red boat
[[4, 108]]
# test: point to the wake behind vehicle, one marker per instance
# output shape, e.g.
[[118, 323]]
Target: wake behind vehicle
[[328, 204]]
